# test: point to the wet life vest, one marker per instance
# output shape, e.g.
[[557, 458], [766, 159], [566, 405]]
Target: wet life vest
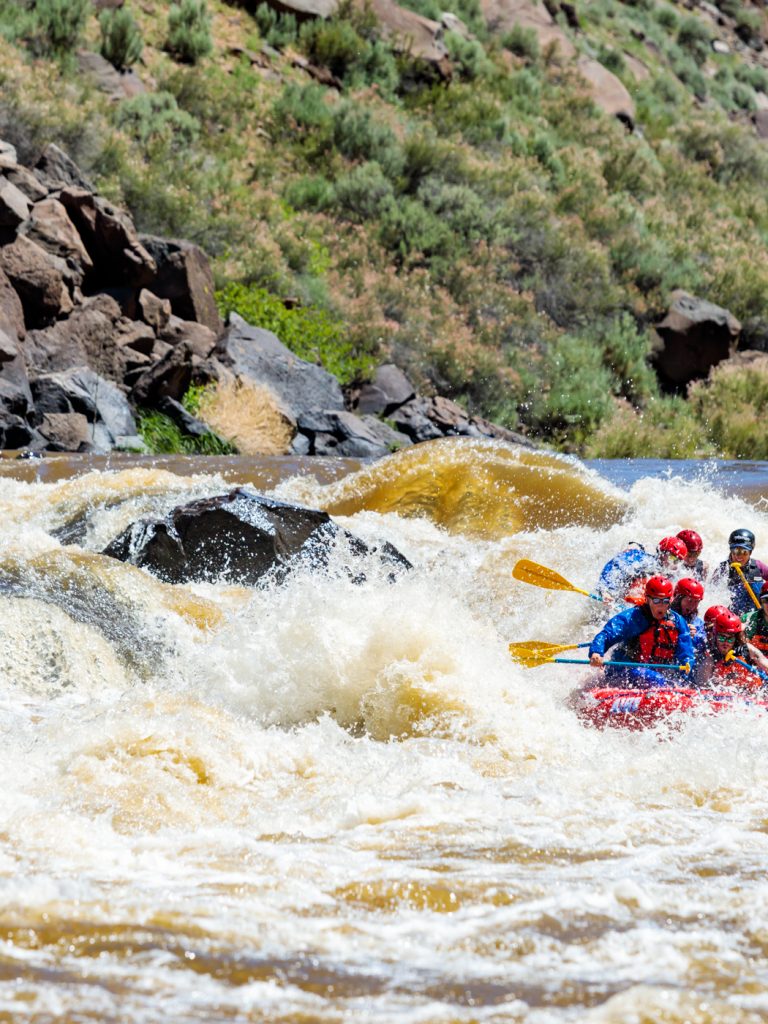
[[657, 642], [730, 673], [736, 586]]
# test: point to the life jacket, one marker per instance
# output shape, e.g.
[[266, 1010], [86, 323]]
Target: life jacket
[[736, 586], [730, 673], [656, 643]]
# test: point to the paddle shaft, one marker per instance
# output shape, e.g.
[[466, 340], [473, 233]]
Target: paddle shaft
[[631, 664], [745, 581], [745, 664]]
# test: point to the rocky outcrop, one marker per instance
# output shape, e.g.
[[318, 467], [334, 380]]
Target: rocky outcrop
[[93, 319], [97, 321], [695, 335], [242, 538]]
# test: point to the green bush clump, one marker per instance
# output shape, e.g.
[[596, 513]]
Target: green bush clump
[[626, 351], [467, 56], [153, 116], [730, 404], [311, 334], [460, 208], [364, 193], [311, 192], [335, 44], [667, 17], [121, 41], [695, 38], [189, 31], [163, 437], [276, 28], [358, 135], [61, 24], [575, 394], [753, 75], [522, 41], [732, 153], [667, 429], [612, 59], [408, 228]]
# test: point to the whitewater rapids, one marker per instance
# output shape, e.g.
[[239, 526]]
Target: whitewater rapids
[[334, 802]]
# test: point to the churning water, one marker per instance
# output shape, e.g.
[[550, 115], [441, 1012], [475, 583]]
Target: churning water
[[337, 802]]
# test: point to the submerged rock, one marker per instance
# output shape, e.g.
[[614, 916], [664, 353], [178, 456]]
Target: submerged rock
[[239, 538]]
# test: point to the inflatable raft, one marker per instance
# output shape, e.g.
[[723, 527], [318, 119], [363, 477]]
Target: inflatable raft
[[643, 709]]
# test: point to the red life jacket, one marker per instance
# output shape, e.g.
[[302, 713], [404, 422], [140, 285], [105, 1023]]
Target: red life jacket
[[730, 673], [658, 642]]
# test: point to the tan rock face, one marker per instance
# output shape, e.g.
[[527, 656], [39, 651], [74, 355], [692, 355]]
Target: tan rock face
[[503, 15], [607, 91]]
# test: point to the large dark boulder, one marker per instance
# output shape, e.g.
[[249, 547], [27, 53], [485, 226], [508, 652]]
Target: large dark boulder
[[695, 336], [258, 356], [238, 538]]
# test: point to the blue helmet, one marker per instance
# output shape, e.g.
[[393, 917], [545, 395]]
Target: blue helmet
[[742, 539]]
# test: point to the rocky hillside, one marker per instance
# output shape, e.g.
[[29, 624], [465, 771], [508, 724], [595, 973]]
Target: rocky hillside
[[553, 216]]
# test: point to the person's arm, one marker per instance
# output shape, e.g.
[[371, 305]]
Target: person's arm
[[759, 660], [620, 627]]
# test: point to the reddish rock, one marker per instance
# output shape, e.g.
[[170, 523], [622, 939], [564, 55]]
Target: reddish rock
[[50, 227], [184, 277], [110, 239], [695, 336], [38, 280]]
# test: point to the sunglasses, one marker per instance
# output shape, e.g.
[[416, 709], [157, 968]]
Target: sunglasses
[[725, 638], [671, 556], [660, 600], [740, 551]]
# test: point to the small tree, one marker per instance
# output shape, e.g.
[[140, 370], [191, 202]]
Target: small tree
[[189, 31], [61, 23], [121, 41]]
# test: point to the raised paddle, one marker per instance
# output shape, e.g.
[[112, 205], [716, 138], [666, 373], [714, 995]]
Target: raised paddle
[[540, 576], [730, 656], [538, 652], [745, 581]]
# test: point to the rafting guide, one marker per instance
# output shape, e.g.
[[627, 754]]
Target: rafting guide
[[744, 574]]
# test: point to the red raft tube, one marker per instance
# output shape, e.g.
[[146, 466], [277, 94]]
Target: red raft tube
[[644, 709]]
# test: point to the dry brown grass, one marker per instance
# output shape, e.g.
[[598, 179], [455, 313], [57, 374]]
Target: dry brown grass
[[248, 416]]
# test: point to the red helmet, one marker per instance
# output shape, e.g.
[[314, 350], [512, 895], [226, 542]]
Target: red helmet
[[672, 546], [711, 613], [728, 622], [689, 588], [692, 540], [659, 586]]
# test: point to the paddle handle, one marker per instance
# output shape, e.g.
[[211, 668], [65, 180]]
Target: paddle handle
[[745, 581], [745, 664], [632, 664]]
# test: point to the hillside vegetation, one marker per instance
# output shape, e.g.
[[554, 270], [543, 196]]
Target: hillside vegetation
[[496, 235]]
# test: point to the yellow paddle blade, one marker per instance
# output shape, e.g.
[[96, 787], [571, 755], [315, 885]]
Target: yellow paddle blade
[[541, 576], [537, 652]]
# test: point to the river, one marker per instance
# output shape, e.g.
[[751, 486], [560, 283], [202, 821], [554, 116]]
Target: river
[[340, 802]]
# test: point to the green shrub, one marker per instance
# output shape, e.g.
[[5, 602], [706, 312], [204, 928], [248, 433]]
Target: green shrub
[[575, 394], [666, 429], [17, 20], [460, 208], [626, 350], [276, 28], [743, 97], [467, 55], [121, 41], [408, 227], [730, 404], [163, 437], [731, 152], [151, 116], [189, 31], [311, 334], [310, 193], [335, 44], [522, 41], [667, 17], [753, 75], [748, 25], [363, 194], [612, 59], [695, 38], [358, 135], [61, 24]]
